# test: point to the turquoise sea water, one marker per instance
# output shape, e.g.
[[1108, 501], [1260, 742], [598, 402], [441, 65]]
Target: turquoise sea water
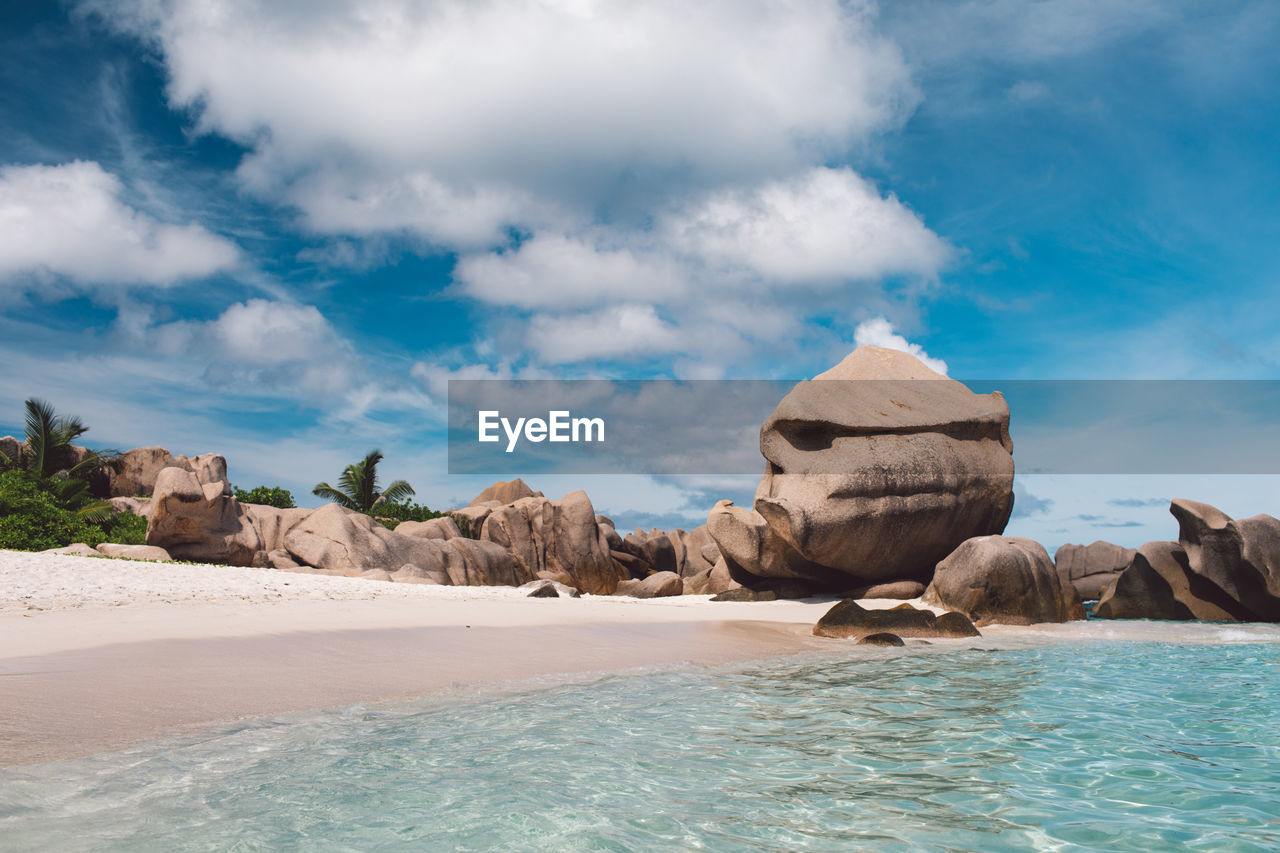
[[1107, 746]]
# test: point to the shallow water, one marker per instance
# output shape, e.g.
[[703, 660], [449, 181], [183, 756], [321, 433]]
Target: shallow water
[[1115, 746]]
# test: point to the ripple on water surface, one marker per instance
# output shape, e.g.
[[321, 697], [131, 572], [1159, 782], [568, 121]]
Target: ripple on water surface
[[1136, 746]]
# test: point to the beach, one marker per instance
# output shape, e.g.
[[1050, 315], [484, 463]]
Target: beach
[[100, 654]]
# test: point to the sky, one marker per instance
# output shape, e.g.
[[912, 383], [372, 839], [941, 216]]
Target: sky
[[275, 230]]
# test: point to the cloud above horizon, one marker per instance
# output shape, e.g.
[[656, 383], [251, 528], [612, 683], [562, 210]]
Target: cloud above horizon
[[69, 222], [633, 180]]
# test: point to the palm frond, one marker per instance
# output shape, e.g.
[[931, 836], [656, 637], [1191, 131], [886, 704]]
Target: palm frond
[[96, 511], [329, 493], [40, 426], [397, 491]]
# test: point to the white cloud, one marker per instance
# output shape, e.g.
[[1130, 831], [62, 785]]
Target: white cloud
[[558, 270], [69, 221], [264, 346], [623, 330], [444, 117], [824, 225], [878, 332]]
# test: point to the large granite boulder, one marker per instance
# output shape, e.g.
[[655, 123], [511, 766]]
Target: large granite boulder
[[1220, 569], [338, 539], [134, 472], [876, 470], [505, 492], [560, 537], [10, 447], [1003, 579], [1091, 568], [200, 521]]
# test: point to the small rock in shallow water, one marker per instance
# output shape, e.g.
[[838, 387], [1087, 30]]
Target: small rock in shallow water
[[881, 639], [848, 619]]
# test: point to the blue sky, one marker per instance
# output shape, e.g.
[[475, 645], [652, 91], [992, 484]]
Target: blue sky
[[275, 230]]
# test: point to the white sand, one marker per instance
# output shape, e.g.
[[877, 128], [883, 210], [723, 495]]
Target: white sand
[[96, 654]]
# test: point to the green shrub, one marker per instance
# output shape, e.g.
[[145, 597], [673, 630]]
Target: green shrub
[[266, 496], [126, 529], [31, 520]]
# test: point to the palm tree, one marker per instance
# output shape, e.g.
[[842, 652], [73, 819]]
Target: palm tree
[[49, 458], [358, 486]]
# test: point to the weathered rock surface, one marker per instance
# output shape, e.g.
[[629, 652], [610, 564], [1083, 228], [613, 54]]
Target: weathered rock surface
[[1220, 569], [134, 552], [848, 619], [556, 536], [506, 492], [333, 537], [742, 593], [543, 588], [11, 447], [200, 522], [434, 528], [134, 472], [904, 590], [1091, 568], [137, 506], [1003, 579], [876, 470], [713, 581], [883, 639], [75, 549], [657, 585]]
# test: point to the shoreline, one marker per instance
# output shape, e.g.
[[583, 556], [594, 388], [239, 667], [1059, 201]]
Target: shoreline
[[122, 657]]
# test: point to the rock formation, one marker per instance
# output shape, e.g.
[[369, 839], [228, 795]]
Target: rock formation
[[1003, 579], [134, 472], [506, 492], [848, 619], [656, 585], [876, 470], [1220, 569], [559, 537], [1091, 568]]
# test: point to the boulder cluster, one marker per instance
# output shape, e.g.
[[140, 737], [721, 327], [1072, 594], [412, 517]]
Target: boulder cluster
[[1220, 569], [883, 480]]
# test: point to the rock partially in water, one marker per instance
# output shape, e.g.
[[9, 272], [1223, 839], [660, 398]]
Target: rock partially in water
[[1003, 579], [1220, 569], [881, 639], [848, 619]]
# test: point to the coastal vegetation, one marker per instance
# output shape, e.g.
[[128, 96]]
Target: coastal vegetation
[[276, 496], [45, 495]]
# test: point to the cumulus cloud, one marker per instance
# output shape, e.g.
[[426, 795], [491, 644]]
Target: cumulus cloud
[[623, 330], [618, 180], [441, 116], [69, 221], [558, 270], [879, 332], [265, 344]]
